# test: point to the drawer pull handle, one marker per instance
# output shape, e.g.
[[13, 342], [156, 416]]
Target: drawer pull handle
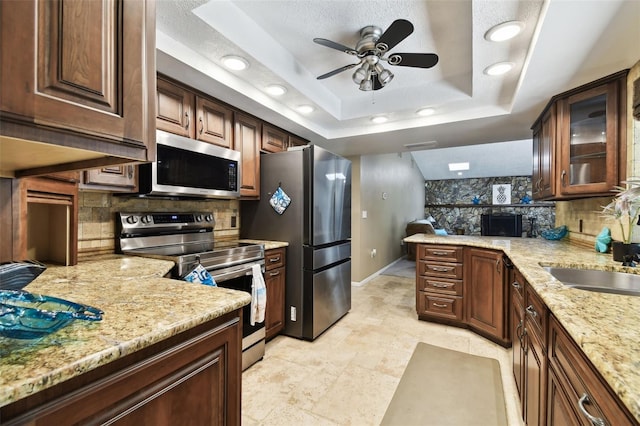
[[532, 311], [274, 274], [595, 421], [516, 285], [442, 285], [201, 125], [188, 123], [441, 269], [438, 305], [274, 259], [439, 253]]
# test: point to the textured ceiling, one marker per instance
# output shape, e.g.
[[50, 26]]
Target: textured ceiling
[[555, 51]]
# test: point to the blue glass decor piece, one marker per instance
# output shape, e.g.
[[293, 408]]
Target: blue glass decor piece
[[603, 240], [476, 200], [555, 233], [24, 315], [525, 200]]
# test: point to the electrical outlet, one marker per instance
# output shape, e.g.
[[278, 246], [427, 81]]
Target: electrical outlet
[[234, 221], [373, 253], [293, 313]]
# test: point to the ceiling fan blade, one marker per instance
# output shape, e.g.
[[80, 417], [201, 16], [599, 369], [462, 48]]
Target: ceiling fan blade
[[336, 71], [397, 31], [334, 45], [419, 60]]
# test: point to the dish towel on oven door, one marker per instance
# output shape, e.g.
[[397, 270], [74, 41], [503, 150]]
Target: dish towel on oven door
[[258, 295]]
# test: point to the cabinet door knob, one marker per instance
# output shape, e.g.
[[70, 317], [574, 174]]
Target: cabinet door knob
[[595, 421], [516, 285], [562, 177]]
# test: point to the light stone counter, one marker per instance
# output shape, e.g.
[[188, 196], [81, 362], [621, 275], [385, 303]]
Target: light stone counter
[[140, 308], [605, 326], [268, 245]]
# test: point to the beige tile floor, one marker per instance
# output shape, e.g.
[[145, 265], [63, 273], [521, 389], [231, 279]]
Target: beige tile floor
[[348, 375]]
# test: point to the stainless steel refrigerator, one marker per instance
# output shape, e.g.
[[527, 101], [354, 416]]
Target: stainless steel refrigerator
[[317, 226]]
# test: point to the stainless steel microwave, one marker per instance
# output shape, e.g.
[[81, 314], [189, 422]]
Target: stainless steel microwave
[[187, 167]]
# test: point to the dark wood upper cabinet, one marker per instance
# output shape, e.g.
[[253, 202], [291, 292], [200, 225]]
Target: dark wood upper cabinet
[[247, 136], [79, 75], [273, 139], [580, 141], [186, 113]]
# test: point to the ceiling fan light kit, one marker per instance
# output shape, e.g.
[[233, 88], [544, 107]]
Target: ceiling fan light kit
[[370, 50]]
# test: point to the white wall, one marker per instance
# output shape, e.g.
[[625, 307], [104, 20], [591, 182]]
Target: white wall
[[390, 188]]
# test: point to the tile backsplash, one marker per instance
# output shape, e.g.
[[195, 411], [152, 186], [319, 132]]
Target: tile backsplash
[[97, 214]]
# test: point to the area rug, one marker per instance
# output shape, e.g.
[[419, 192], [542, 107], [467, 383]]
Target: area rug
[[401, 268], [445, 387]]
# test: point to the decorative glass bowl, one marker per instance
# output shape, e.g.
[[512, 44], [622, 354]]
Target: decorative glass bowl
[[555, 233], [24, 315]]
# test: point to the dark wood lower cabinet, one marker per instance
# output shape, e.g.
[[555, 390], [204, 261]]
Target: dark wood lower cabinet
[[193, 380]]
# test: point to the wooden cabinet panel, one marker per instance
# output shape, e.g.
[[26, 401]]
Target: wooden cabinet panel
[[448, 307], [586, 391], [198, 376], [247, 138], [440, 285], [214, 122], [114, 178], [296, 141], [518, 345], [440, 253], [438, 269], [273, 139], [535, 380], [485, 291], [559, 411], [275, 281], [83, 69], [544, 154], [175, 106]]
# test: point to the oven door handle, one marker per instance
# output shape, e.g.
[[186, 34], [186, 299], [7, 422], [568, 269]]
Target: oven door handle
[[221, 275]]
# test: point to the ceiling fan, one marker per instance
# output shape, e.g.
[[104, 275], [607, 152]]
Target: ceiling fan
[[371, 48]]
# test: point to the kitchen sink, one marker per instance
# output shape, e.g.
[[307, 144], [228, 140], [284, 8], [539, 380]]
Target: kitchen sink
[[600, 281]]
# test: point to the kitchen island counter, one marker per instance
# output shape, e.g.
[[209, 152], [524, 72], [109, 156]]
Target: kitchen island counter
[[140, 308], [605, 326]]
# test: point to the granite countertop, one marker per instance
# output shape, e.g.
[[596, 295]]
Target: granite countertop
[[140, 308], [605, 326], [268, 245]]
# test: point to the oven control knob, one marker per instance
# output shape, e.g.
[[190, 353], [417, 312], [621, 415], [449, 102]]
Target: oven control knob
[[208, 218], [147, 219], [131, 220], [198, 218]]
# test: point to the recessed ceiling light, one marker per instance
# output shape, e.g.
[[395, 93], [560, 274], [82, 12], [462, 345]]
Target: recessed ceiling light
[[504, 31], [379, 119], [235, 63], [276, 90], [425, 111], [499, 68], [454, 167], [305, 109]]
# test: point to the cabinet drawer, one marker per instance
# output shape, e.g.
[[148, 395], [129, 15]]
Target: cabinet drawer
[[578, 378], [536, 314], [444, 270], [273, 259], [451, 254], [441, 306], [440, 285]]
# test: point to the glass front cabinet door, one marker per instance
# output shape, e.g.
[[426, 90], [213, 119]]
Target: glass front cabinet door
[[590, 141]]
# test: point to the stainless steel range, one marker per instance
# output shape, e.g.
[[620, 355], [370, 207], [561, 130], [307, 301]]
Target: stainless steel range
[[187, 239]]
